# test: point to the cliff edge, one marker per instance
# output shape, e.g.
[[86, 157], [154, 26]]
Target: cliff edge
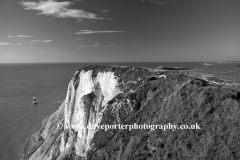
[[111, 95]]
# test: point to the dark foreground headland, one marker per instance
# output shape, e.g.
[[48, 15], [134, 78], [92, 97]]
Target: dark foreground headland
[[109, 95]]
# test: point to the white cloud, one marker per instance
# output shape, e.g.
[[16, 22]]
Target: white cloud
[[96, 45], [59, 9], [77, 40], [93, 45], [46, 40], [20, 36], [24, 36], [4, 43], [105, 11], [92, 32]]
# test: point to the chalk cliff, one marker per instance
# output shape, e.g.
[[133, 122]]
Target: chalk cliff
[[124, 95]]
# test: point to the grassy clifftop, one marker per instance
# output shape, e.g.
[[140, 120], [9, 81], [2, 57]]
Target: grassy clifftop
[[181, 100]]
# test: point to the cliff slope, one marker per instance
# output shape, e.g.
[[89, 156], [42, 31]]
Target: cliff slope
[[100, 95]]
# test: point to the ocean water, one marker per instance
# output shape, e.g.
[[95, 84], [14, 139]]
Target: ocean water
[[19, 118]]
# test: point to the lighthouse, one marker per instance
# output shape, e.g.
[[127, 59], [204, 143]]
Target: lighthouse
[[34, 99]]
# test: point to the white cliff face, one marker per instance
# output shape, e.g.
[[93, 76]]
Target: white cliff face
[[65, 133], [84, 106]]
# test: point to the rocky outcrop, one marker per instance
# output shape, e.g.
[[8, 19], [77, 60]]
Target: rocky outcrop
[[100, 95]]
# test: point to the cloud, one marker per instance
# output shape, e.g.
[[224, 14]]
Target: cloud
[[23, 36], [44, 41], [93, 45], [92, 32], [84, 46], [20, 36], [105, 11], [4, 43], [59, 9], [77, 40], [47, 41], [96, 45], [155, 1]]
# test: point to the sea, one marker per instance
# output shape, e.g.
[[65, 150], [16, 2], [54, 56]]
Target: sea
[[19, 118]]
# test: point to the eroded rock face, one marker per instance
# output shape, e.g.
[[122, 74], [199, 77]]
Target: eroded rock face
[[85, 104], [100, 95]]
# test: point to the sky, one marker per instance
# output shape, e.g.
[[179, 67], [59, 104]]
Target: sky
[[46, 31]]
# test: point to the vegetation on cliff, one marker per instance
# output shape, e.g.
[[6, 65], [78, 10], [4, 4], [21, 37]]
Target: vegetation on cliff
[[147, 98]]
